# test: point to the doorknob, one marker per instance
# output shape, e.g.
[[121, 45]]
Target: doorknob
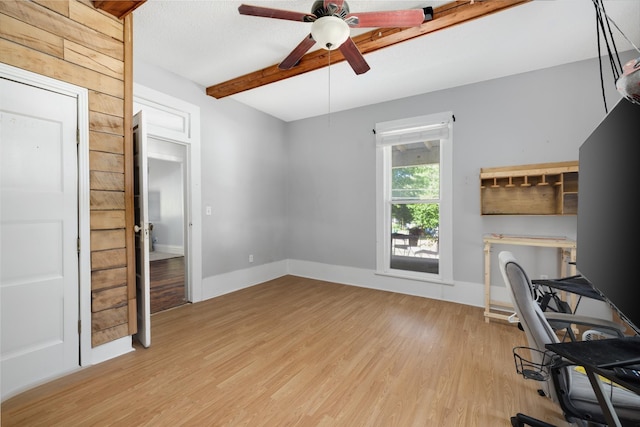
[[137, 228]]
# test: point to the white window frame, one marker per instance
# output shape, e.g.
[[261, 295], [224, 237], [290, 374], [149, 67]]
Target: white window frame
[[407, 131]]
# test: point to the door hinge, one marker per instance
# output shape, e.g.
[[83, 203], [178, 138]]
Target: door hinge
[[77, 136], [79, 327], [78, 245]]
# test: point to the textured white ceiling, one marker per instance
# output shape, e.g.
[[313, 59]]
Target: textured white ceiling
[[209, 42]]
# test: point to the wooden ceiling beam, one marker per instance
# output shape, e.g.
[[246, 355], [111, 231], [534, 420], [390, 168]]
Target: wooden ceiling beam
[[445, 16], [118, 8]]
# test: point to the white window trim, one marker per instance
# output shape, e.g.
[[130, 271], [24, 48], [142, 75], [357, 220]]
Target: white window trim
[[406, 131]]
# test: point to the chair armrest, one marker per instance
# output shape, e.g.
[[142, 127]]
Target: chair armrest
[[599, 324]]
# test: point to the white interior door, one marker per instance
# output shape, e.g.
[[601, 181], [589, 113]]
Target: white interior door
[[39, 234], [141, 206]]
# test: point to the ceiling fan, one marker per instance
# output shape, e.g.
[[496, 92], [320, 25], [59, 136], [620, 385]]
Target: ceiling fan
[[331, 25]]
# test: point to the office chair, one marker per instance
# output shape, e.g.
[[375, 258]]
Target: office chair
[[570, 389]]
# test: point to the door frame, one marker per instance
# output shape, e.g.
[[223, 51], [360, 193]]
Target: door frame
[[174, 120], [84, 232]]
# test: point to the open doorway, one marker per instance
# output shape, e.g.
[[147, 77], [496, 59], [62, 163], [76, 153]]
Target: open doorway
[[168, 225], [172, 133]]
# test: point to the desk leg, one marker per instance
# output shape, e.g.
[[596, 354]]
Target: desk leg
[[603, 398], [568, 268], [487, 281], [572, 260], [572, 272]]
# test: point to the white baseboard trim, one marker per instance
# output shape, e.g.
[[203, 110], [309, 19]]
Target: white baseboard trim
[[214, 286], [461, 292], [170, 249], [111, 349], [500, 294], [467, 293], [98, 354]]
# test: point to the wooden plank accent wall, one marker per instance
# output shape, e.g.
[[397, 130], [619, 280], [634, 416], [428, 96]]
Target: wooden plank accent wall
[[74, 42]]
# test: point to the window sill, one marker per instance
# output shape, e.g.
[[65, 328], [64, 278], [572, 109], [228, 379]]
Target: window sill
[[419, 277]]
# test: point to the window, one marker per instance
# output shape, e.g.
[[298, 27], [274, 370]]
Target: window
[[414, 197]]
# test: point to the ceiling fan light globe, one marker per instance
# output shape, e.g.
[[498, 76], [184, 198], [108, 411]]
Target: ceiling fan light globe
[[628, 84], [330, 32]]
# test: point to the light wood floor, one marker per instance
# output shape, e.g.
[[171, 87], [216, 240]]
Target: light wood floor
[[300, 352]]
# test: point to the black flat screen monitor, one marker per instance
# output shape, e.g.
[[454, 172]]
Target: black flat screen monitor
[[608, 234]]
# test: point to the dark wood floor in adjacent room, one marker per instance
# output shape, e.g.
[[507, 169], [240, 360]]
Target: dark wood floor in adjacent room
[[167, 284], [301, 352]]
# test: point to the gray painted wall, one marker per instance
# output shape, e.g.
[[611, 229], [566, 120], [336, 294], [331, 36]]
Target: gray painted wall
[[541, 116], [243, 176], [305, 190]]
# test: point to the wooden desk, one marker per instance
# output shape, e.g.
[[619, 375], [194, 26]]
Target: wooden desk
[[566, 247]]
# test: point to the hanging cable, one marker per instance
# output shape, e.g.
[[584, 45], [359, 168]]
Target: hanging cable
[[603, 24], [600, 65], [623, 34], [613, 40]]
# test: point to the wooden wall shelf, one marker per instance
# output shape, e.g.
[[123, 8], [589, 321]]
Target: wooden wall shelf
[[536, 189]]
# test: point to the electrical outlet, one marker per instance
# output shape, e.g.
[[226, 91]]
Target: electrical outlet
[[208, 210], [251, 258], [544, 277]]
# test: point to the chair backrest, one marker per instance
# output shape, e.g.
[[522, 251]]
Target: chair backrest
[[532, 319]]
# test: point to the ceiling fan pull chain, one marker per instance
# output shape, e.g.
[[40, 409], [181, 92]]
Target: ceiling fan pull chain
[[329, 90]]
